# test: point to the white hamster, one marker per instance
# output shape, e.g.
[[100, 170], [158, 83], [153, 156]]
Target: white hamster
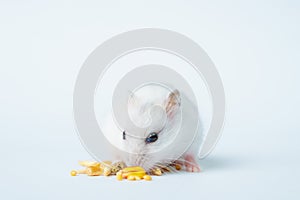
[[162, 114]]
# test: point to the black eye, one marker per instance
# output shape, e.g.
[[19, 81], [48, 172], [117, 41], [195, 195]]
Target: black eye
[[124, 135], [152, 137]]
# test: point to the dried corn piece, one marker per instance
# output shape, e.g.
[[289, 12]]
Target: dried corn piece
[[132, 173], [156, 171], [165, 169], [131, 178], [93, 171], [132, 169], [106, 167], [147, 178], [117, 166], [107, 171], [89, 164], [73, 173], [119, 176], [92, 168], [177, 166], [139, 174]]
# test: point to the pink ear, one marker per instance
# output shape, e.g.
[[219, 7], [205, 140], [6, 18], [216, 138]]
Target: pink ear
[[172, 103]]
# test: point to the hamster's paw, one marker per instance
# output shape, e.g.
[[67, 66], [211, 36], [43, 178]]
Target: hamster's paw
[[190, 164]]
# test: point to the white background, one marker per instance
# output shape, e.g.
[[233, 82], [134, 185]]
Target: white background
[[254, 44]]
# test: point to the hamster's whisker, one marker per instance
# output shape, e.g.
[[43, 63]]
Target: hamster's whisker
[[138, 159], [143, 158]]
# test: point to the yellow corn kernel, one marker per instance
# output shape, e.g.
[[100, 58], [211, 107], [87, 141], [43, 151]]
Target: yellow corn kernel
[[147, 178], [119, 177], [132, 169], [73, 173], [177, 167], [139, 174], [93, 171], [131, 178], [89, 164], [119, 173], [156, 171], [165, 169], [107, 171]]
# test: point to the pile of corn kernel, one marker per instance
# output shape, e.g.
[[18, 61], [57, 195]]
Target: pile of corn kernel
[[107, 168]]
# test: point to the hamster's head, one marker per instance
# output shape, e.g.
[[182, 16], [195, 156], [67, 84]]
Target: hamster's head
[[157, 111]]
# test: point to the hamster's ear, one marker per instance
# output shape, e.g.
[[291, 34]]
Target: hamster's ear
[[173, 103]]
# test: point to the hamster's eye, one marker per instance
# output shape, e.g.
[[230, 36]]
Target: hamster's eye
[[152, 137], [124, 135]]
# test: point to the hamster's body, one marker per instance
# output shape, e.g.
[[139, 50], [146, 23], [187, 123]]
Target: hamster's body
[[162, 115]]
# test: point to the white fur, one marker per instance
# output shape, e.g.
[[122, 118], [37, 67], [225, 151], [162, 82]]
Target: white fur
[[145, 108]]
